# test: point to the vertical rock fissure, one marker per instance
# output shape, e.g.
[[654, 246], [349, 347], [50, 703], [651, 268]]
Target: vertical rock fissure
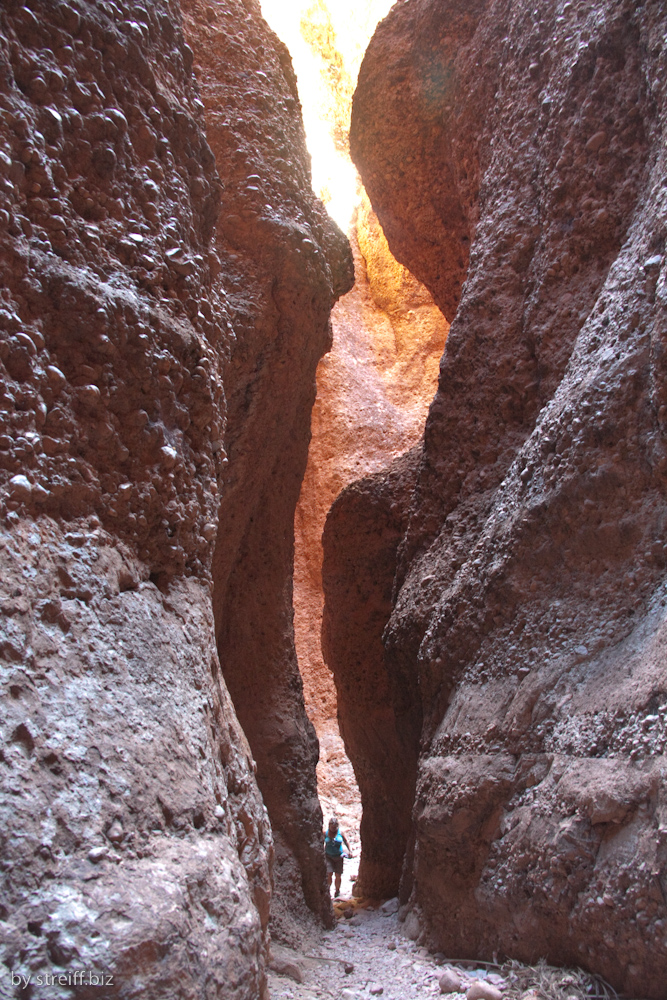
[[379, 712], [373, 389]]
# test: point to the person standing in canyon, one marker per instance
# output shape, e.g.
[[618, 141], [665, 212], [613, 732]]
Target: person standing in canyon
[[336, 849]]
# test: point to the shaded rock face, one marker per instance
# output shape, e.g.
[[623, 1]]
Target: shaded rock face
[[529, 600], [134, 836], [285, 263], [379, 719]]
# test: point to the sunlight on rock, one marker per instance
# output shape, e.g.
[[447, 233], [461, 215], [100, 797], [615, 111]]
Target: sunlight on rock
[[327, 42]]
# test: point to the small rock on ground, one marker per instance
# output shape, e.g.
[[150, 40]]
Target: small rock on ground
[[284, 963], [449, 982], [483, 991], [411, 927], [390, 906]]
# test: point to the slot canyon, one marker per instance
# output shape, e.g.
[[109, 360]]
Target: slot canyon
[[277, 541]]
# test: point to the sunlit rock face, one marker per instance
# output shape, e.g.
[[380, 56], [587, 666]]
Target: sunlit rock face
[[327, 42], [373, 391], [528, 616], [135, 839]]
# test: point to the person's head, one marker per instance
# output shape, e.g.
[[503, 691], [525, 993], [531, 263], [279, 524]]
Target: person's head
[[333, 826]]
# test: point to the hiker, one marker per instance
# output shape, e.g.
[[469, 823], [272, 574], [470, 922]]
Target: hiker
[[336, 848]]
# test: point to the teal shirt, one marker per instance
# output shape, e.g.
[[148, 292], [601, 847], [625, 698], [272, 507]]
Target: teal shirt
[[334, 848]]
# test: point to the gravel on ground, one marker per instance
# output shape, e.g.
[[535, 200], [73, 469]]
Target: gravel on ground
[[368, 954]]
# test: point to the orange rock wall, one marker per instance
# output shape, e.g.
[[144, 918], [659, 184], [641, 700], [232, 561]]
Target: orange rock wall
[[373, 392], [375, 385]]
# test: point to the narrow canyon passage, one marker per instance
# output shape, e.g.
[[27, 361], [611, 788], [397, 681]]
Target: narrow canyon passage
[[375, 384], [495, 606], [277, 541]]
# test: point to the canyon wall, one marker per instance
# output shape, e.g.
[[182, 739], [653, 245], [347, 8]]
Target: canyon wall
[[373, 391], [515, 156], [285, 262], [375, 384], [139, 325]]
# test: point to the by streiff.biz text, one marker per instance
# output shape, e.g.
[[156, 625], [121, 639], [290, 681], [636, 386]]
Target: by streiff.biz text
[[84, 977]]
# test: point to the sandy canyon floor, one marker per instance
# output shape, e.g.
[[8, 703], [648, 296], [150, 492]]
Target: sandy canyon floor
[[370, 954], [382, 958]]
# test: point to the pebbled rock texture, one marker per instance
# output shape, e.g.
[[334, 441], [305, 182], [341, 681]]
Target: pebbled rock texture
[[134, 836], [285, 263], [529, 618]]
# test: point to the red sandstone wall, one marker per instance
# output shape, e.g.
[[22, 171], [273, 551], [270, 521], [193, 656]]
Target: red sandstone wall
[[528, 618], [140, 329], [285, 263], [373, 391]]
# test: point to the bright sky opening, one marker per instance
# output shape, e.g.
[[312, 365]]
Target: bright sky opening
[[327, 44]]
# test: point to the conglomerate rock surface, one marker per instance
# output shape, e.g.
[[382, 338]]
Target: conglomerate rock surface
[[135, 842], [528, 623], [285, 263]]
